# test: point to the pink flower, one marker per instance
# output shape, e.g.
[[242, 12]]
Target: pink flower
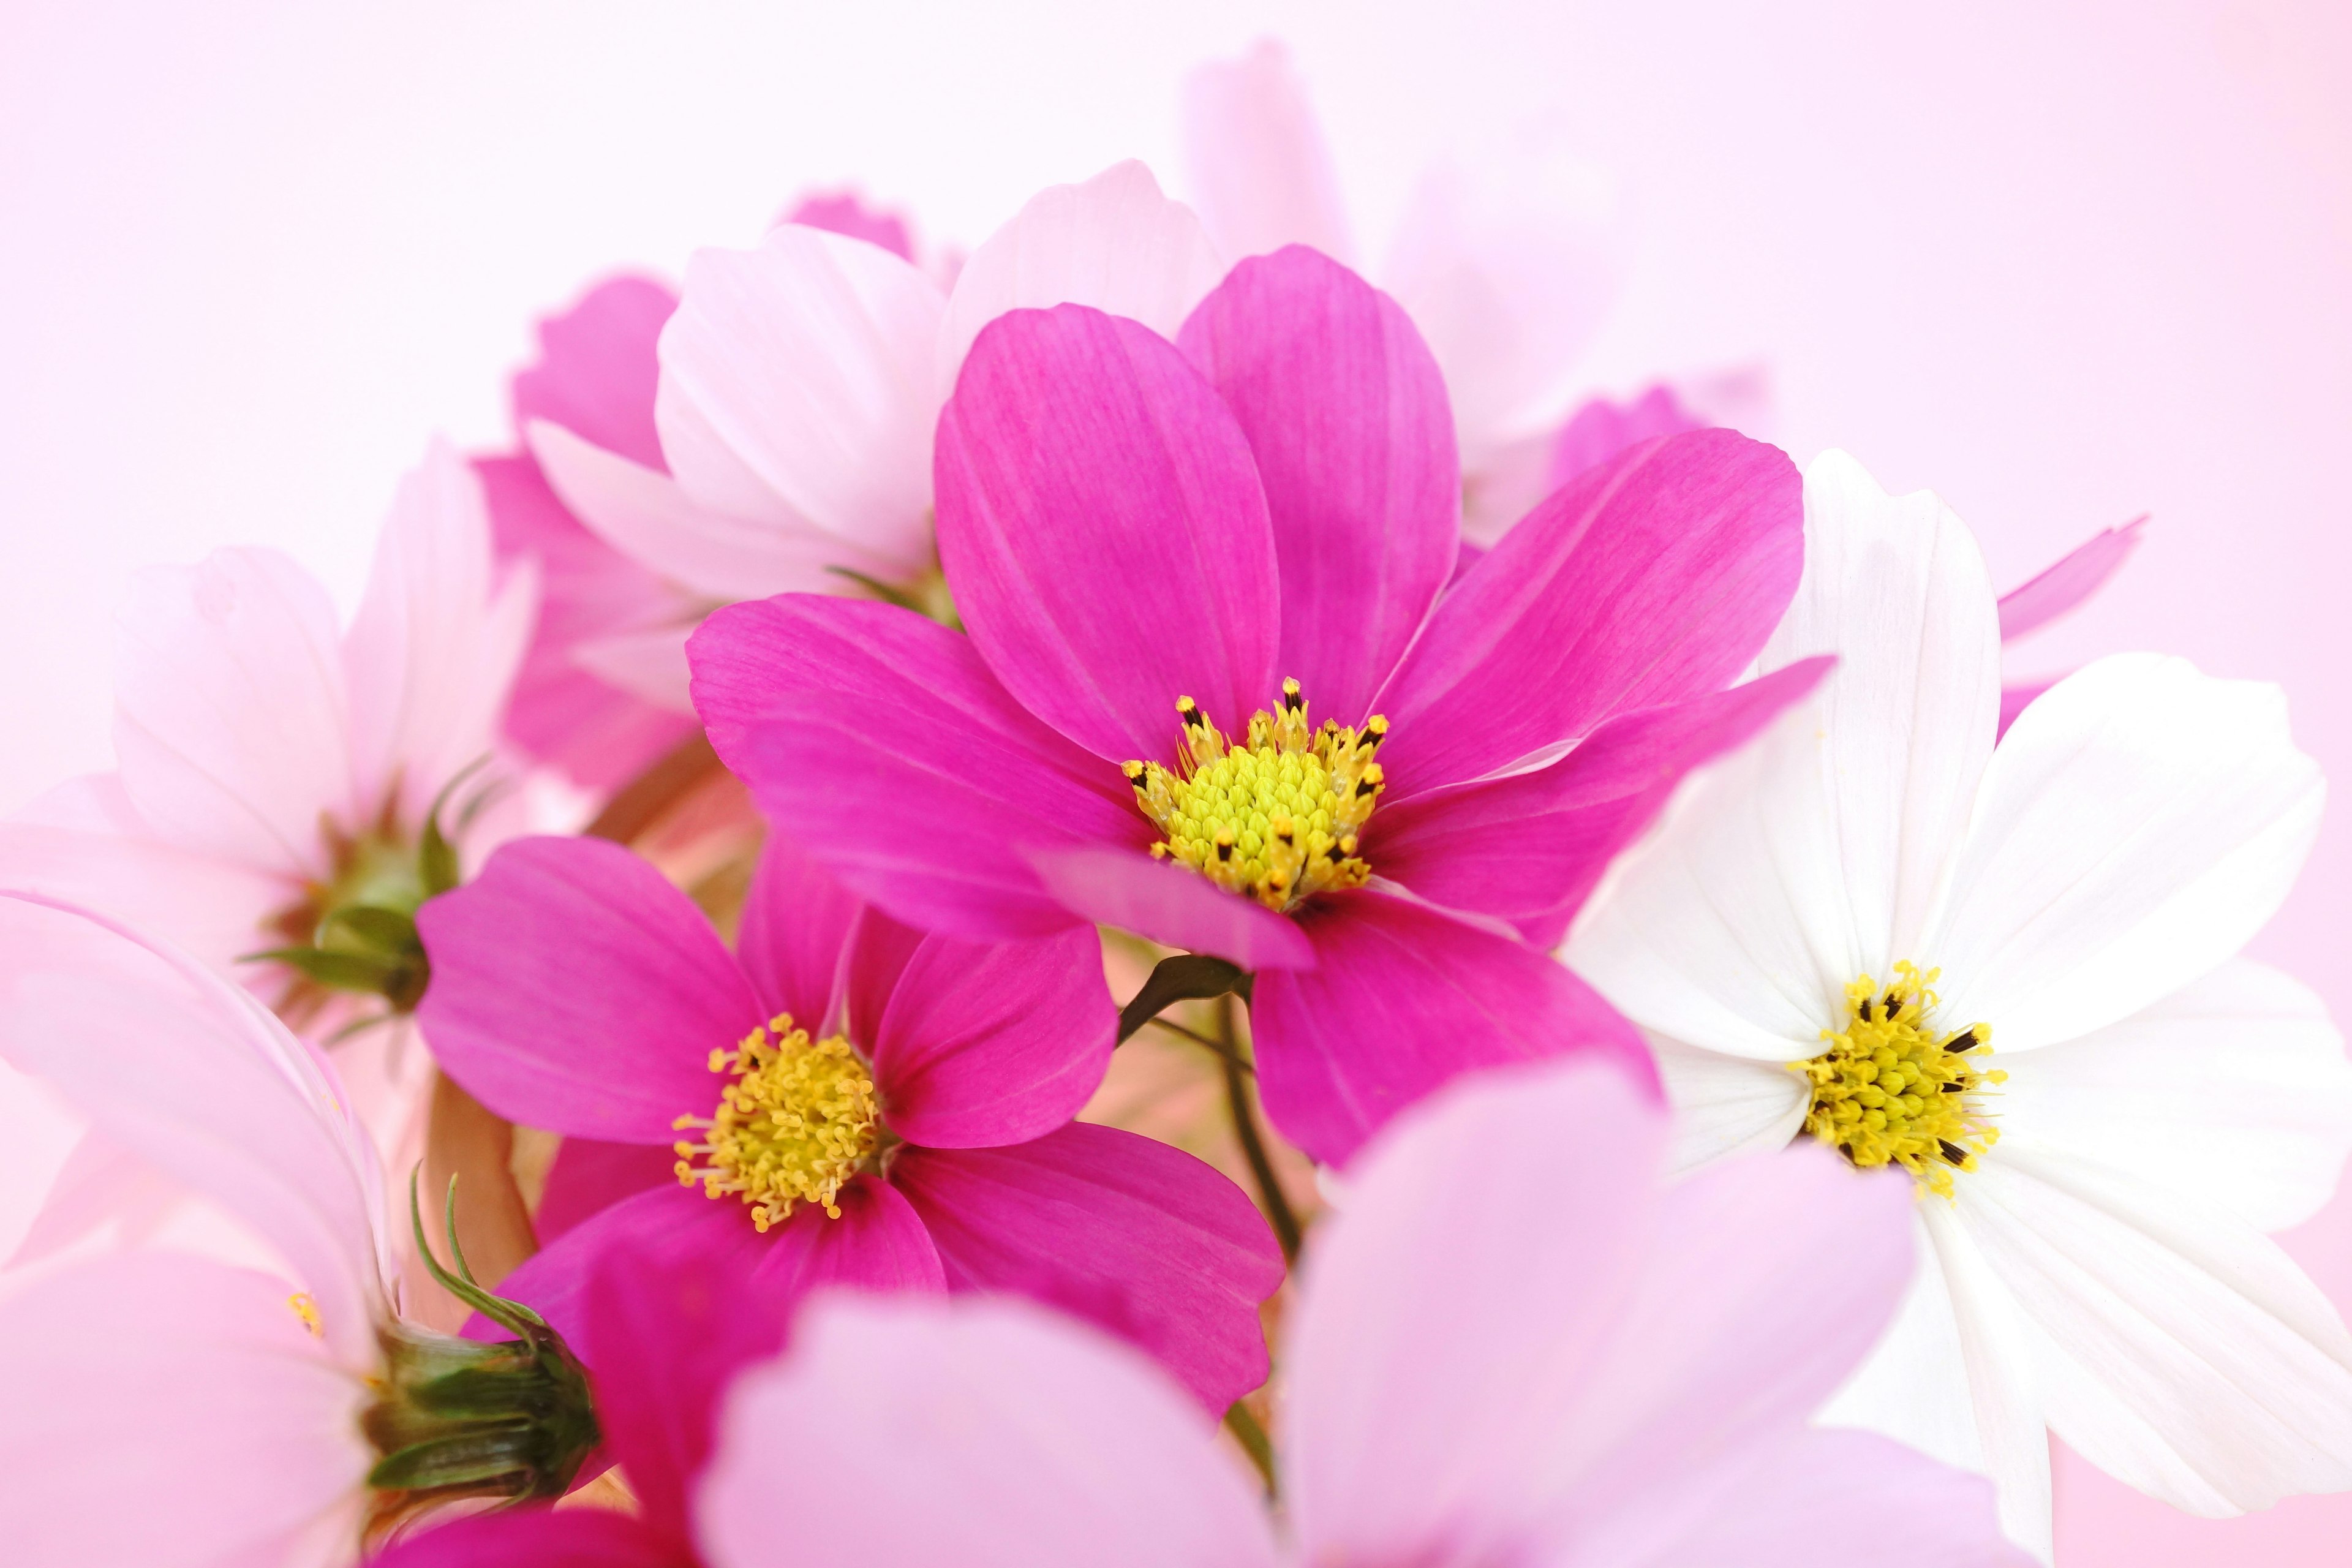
[[1125, 525], [1514, 1343], [929, 1084]]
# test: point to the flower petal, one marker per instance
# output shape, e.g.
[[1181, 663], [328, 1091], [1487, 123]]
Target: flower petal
[[589, 1176], [649, 665], [2058, 589], [1346, 414], [230, 711], [543, 1537], [985, 1044], [1403, 998], [984, 1434], [796, 383], [1103, 529], [1138, 1238], [1260, 169], [596, 369], [794, 936], [1653, 579], [1171, 904], [574, 989], [1725, 1105], [848, 212], [2139, 824], [245, 1445], [692, 1232], [879, 1243], [2235, 1088], [1113, 242], [900, 763]]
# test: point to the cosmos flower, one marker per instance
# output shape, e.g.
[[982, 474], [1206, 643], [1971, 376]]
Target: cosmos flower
[[840, 1098], [1211, 693], [1514, 1343], [2101, 1106], [175, 1410]]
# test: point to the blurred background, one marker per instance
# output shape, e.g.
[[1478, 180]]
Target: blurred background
[[2064, 263]]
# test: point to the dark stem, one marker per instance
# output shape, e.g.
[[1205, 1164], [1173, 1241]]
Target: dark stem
[[1251, 1436], [1198, 1038], [1253, 1141]]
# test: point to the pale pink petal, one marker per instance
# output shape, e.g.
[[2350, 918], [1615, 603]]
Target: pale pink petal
[[1346, 415], [542, 1537], [645, 515], [982, 1434], [167, 1411], [1601, 429], [2059, 589], [175, 1063], [575, 988], [1139, 1238], [1103, 527], [797, 383], [1654, 578], [101, 1183], [433, 651], [1261, 172], [988, 1044], [794, 935], [230, 712], [649, 665], [1173, 905], [846, 212], [1403, 998], [1113, 242], [596, 370]]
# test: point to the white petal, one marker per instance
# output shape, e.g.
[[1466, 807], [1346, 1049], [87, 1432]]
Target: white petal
[[643, 515], [1113, 242], [2139, 824], [2234, 1088], [647, 664], [987, 1434], [796, 385], [2187, 1354], [1895, 588], [1260, 169], [229, 708], [432, 654], [1727, 1105]]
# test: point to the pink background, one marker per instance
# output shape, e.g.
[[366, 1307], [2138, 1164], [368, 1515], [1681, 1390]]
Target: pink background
[[2064, 263]]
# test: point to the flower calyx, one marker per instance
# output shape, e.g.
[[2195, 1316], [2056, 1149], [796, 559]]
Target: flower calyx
[[1893, 1088]]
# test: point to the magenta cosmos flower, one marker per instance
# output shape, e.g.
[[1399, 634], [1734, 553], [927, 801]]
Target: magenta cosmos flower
[[1211, 693], [863, 1103]]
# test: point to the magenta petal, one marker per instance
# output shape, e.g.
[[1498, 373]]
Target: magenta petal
[[589, 1176], [997, 1043], [1171, 904], [596, 370], [1529, 848], [1103, 530], [1346, 413], [846, 212], [542, 1537], [1601, 429], [2061, 589], [879, 1243], [1403, 998], [2014, 700], [795, 933], [574, 989], [674, 1222], [1655, 577], [1118, 1229], [898, 760]]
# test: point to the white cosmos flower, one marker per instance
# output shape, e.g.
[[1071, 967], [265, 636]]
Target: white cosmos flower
[[2095, 1263]]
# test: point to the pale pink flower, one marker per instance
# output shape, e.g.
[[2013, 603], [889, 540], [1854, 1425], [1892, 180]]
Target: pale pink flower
[[1516, 1343]]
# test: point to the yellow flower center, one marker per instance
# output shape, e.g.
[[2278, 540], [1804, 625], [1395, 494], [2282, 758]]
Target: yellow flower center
[[1892, 1088], [1274, 817], [799, 1120], [307, 1308]]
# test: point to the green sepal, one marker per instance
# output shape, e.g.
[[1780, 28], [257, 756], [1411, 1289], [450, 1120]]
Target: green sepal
[[370, 930], [335, 971], [1186, 977]]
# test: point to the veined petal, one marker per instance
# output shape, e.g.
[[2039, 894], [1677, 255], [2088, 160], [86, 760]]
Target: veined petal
[[1895, 588], [796, 382], [1653, 579], [881, 1243], [596, 369], [1103, 527], [591, 1175], [987, 1434], [1260, 170], [2137, 825], [1171, 904], [230, 710], [1346, 414], [1725, 1105], [242, 1442], [794, 938], [1113, 242], [1139, 1238], [574, 988], [1403, 998]]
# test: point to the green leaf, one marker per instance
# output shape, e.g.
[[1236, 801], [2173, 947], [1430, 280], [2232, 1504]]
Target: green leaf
[[1187, 977]]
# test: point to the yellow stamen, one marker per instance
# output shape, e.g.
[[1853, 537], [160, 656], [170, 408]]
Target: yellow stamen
[[800, 1119], [1274, 817], [1893, 1088], [307, 1311]]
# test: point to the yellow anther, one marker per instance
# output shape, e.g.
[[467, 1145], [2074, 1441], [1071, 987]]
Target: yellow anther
[[1274, 815], [800, 1119], [307, 1311], [1891, 1088]]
